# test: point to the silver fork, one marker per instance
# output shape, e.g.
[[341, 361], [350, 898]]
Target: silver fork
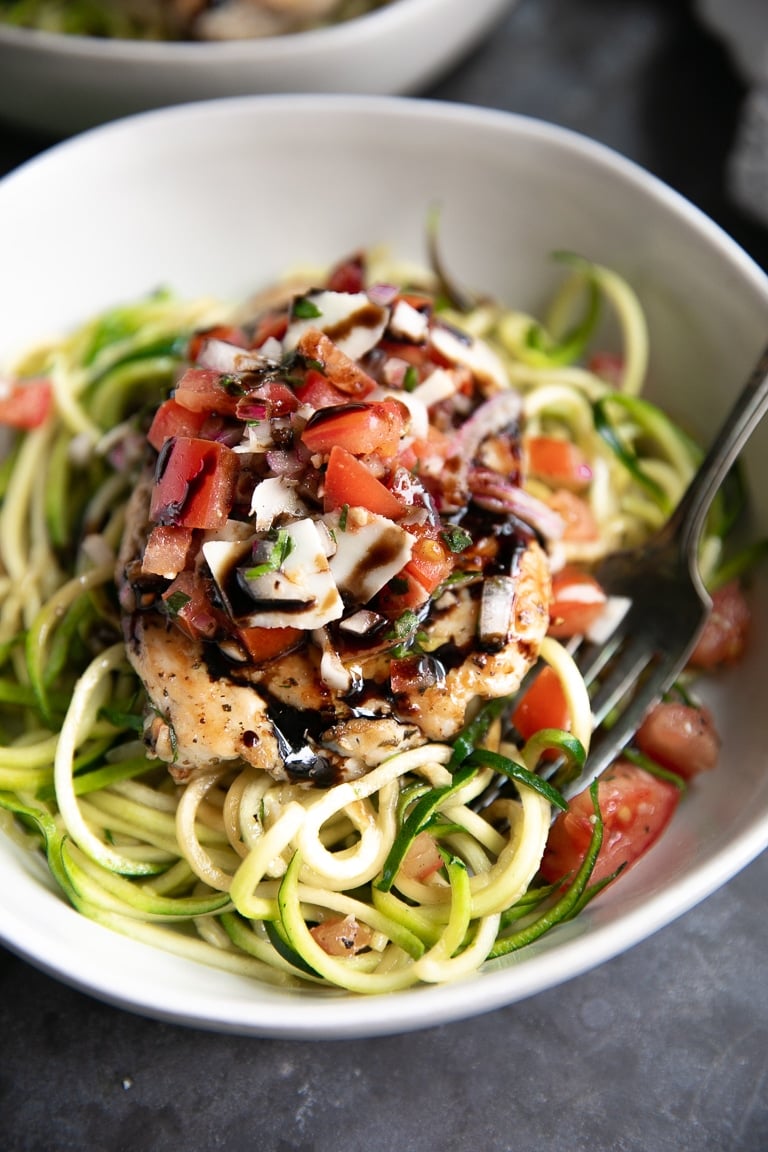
[[669, 605]]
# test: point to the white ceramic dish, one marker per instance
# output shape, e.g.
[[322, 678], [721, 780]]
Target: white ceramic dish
[[199, 198], [62, 84]]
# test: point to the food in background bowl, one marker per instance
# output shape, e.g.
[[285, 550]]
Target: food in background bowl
[[222, 228], [182, 19], [63, 83]]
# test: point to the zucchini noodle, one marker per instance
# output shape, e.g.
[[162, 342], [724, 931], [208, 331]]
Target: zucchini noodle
[[417, 869]]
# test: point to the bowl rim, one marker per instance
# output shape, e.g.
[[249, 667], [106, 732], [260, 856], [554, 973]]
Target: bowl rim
[[300, 1016], [347, 35]]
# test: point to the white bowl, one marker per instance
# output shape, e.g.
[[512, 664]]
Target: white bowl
[[63, 84], [222, 196]]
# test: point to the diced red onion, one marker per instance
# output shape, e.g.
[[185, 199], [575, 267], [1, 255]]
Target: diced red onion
[[495, 493], [382, 294]]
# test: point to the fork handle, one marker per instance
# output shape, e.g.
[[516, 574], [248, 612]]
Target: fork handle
[[749, 408]]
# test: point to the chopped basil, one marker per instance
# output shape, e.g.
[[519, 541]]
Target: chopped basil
[[176, 602], [457, 539], [411, 378], [305, 309], [343, 518], [281, 550]]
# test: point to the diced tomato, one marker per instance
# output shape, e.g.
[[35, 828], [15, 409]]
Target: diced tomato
[[576, 513], [263, 644], [360, 428], [348, 276], [194, 483], [172, 419], [318, 392], [680, 737], [427, 454], [635, 807], [188, 603], [430, 563], [25, 403], [166, 550], [272, 325], [349, 481], [415, 355], [342, 936], [557, 462], [269, 399], [205, 390], [229, 333], [422, 859], [344, 372], [726, 631], [577, 601], [543, 705], [404, 591]]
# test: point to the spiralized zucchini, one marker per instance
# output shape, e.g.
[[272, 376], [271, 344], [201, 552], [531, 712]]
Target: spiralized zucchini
[[233, 868]]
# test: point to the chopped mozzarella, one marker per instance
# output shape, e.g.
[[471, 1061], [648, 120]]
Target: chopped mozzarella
[[351, 319], [274, 497], [408, 323], [304, 579], [370, 550], [472, 353], [222, 356], [439, 385]]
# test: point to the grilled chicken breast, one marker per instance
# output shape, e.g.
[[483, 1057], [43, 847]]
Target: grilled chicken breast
[[316, 571]]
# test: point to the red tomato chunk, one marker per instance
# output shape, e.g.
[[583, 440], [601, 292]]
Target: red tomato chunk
[[726, 631], [542, 706], [361, 428], [558, 462], [577, 602], [342, 936], [205, 390], [25, 403], [349, 481], [635, 806], [681, 738], [194, 483]]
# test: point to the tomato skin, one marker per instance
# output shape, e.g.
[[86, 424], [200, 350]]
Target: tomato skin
[[558, 462], [680, 737], [577, 602], [635, 807], [194, 483], [543, 705], [348, 481], [25, 404], [361, 428], [726, 631]]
